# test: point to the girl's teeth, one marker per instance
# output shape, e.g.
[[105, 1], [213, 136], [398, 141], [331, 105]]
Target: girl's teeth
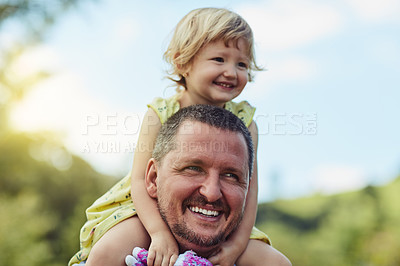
[[224, 85]]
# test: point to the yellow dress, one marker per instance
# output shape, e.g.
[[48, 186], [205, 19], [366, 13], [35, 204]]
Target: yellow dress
[[116, 204]]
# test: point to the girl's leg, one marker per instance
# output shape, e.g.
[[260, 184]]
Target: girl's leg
[[118, 242], [260, 253]]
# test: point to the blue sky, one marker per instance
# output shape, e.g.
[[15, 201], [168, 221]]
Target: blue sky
[[327, 104]]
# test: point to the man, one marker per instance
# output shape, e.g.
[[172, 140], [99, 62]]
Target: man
[[199, 175]]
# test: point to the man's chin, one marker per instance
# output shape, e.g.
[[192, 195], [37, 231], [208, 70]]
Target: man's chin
[[203, 237], [201, 250], [203, 244]]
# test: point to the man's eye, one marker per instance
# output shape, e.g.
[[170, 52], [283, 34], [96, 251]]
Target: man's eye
[[230, 175], [194, 168], [218, 59]]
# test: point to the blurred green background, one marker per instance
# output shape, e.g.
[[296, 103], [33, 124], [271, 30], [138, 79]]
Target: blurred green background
[[44, 189]]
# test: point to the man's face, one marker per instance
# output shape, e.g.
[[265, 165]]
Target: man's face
[[202, 185]]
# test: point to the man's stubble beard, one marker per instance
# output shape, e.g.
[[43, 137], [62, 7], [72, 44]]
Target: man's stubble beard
[[181, 230]]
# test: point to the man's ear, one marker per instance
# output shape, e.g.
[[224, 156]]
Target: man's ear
[[151, 178]]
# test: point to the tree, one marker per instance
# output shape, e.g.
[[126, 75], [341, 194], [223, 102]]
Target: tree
[[42, 204], [44, 189]]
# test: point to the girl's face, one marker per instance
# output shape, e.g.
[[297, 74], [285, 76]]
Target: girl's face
[[218, 73]]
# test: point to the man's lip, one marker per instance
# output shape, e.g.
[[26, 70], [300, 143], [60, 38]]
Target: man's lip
[[200, 202], [205, 211]]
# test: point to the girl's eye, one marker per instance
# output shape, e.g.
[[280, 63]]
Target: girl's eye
[[218, 59], [244, 65]]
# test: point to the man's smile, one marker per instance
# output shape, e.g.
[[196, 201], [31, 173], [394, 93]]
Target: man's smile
[[205, 212]]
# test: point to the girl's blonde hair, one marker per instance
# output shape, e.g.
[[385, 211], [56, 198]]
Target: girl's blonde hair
[[201, 27]]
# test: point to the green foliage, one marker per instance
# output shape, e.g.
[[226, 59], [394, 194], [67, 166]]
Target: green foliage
[[44, 191], [357, 228]]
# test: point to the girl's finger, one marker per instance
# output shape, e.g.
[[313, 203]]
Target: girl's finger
[[158, 260], [214, 259], [173, 259], [150, 258]]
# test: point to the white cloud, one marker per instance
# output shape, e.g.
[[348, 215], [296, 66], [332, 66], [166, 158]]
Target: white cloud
[[7, 39], [373, 10], [280, 25], [385, 51], [125, 32], [126, 29], [291, 69], [333, 178]]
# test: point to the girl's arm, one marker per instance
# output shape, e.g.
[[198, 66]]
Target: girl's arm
[[237, 242], [163, 247]]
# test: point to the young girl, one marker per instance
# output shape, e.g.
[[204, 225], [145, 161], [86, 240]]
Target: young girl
[[212, 56]]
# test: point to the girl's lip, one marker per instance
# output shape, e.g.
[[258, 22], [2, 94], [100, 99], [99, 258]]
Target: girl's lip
[[225, 85]]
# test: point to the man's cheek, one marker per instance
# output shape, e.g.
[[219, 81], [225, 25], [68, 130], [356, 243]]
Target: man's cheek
[[238, 200]]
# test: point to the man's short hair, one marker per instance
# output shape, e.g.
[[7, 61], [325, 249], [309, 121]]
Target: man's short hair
[[211, 115]]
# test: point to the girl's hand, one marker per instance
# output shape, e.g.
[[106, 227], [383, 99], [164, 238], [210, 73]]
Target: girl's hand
[[227, 254], [163, 250]]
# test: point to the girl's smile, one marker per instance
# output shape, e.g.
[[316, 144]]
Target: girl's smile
[[217, 74]]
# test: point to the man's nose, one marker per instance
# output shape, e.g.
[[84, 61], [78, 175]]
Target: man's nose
[[211, 188]]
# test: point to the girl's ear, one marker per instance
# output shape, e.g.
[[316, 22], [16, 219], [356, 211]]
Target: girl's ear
[[183, 69], [151, 178], [178, 66]]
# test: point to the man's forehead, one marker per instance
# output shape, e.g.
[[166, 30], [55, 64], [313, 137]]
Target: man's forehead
[[194, 137]]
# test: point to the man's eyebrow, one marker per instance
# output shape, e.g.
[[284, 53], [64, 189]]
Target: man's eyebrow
[[196, 161], [233, 169], [189, 161]]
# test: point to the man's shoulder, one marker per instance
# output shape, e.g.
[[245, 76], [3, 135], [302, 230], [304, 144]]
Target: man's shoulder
[[259, 253], [274, 257]]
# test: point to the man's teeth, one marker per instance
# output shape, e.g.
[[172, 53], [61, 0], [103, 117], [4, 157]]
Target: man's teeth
[[203, 211]]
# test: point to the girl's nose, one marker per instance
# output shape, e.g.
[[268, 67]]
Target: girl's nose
[[230, 72]]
